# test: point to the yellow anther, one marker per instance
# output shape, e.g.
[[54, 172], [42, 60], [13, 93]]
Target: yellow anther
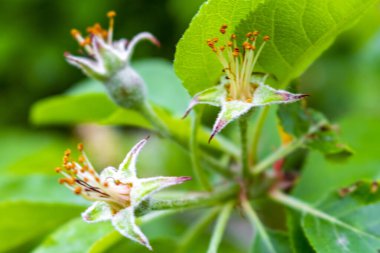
[[75, 33]]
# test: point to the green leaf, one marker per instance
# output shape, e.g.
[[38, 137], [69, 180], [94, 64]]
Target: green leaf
[[279, 240], [89, 102], [353, 226], [300, 31], [75, 236], [37, 188], [27, 152], [24, 222], [361, 131], [312, 125], [297, 238]]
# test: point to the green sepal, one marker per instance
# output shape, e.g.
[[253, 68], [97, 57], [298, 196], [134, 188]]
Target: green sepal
[[98, 211]]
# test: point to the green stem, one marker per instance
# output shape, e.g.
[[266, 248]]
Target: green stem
[[280, 153], [257, 133], [190, 200], [220, 226], [148, 112], [256, 224], [197, 229], [194, 150], [217, 165], [243, 123]]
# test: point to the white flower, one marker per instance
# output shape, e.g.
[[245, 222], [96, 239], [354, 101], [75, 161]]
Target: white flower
[[239, 89], [116, 192]]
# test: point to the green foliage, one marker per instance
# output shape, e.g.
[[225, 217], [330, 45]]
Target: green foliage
[[75, 236], [315, 128], [354, 227], [279, 240], [300, 32], [30, 221], [40, 215]]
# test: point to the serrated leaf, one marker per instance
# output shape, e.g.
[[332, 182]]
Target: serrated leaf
[[352, 228], [312, 125], [279, 240], [23, 222], [300, 32]]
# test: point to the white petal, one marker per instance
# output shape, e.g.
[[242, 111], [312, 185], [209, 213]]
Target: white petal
[[125, 222]]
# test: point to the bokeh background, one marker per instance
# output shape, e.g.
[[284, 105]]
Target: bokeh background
[[344, 83]]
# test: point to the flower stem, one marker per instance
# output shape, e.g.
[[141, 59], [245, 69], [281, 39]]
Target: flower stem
[[220, 227], [280, 153], [197, 229], [257, 133], [256, 224], [194, 150], [190, 200], [243, 123], [147, 111]]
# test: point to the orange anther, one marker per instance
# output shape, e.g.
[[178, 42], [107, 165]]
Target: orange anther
[[81, 159], [70, 180], [233, 36], [85, 179], [229, 43], [67, 152], [255, 33], [78, 190], [229, 98], [248, 100], [58, 169], [266, 38], [105, 184], [80, 147], [111, 14]]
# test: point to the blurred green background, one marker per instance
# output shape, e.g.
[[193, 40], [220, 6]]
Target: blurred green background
[[344, 83]]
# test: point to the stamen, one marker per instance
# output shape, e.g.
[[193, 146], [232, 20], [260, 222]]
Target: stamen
[[58, 170], [81, 41], [111, 15]]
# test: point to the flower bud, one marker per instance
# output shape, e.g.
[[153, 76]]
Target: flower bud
[[109, 63]]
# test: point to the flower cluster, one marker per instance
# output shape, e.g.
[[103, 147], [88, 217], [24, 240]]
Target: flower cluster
[[116, 193], [239, 89]]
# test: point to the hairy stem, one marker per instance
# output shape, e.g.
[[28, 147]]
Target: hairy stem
[[243, 123], [280, 153], [194, 150], [256, 224], [189, 200], [257, 130], [197, 229], [220, 226]]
